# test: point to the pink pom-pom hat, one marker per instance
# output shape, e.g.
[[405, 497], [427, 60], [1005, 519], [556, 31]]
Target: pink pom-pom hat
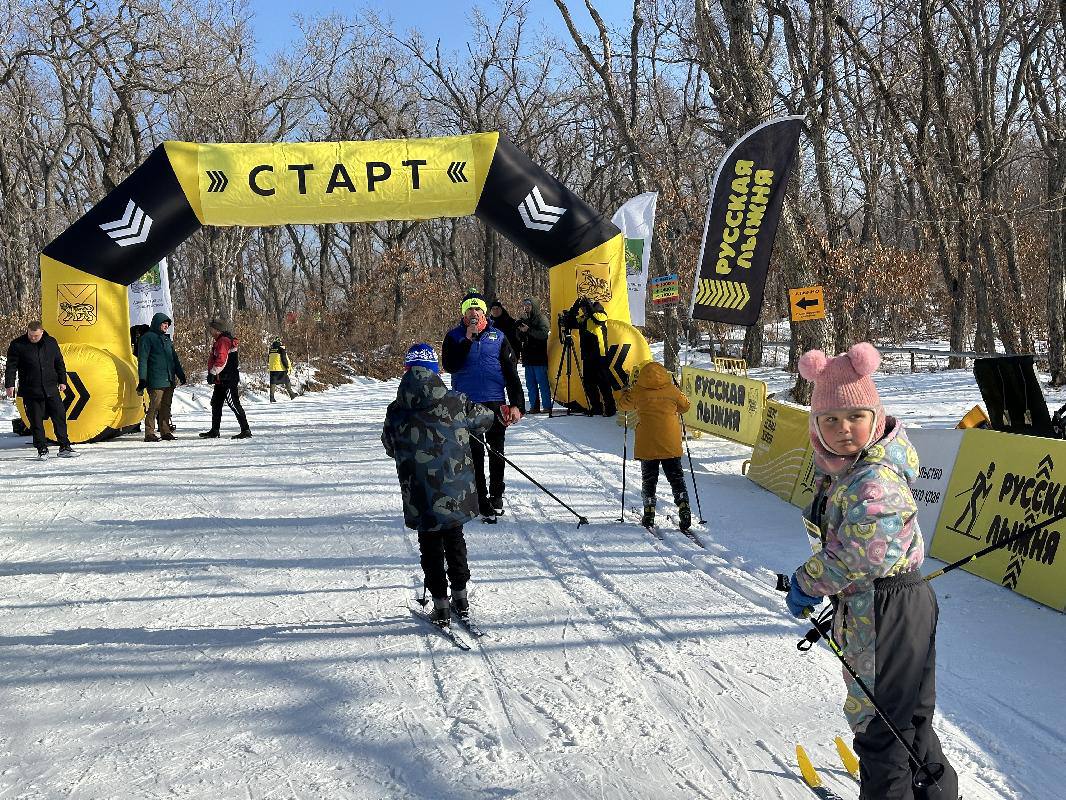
[[844, 381], [840, 383]]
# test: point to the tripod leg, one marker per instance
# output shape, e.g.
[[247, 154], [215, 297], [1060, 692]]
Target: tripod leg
[[558, 376]]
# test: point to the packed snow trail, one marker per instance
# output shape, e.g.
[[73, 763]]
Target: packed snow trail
[[230, 619]]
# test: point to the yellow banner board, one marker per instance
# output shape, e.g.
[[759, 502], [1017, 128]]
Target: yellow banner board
[[726, 405], [782, 449], [319, 182], [1002, 483]]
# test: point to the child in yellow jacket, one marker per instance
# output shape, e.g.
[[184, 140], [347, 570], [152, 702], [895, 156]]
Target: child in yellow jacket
[[658, 401]]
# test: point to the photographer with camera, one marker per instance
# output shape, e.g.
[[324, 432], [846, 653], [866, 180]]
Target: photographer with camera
[[484, 368], [590, 320]]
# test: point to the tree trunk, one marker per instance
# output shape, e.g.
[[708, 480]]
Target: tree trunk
[[1056, 296]]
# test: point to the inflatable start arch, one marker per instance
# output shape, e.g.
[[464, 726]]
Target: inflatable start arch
[[183, 186]]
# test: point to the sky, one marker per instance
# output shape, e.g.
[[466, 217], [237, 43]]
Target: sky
[[448, 20]]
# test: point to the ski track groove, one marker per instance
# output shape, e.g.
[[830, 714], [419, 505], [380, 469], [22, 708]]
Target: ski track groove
[[687, 551], [500, 706], [641, 661], [680, 551]]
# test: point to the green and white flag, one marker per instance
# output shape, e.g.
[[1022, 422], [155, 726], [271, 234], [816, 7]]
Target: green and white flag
[[149, 294], [636, 220]]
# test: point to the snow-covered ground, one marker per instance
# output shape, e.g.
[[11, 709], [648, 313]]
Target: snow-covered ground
[[215, 619]]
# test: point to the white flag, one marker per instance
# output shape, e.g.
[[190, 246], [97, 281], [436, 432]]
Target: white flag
[[149, 295], [636, 219]]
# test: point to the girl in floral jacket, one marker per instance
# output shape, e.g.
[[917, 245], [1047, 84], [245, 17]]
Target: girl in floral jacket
[[886, 615]]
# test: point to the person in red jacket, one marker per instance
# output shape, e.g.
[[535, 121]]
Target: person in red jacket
[[223, 373]]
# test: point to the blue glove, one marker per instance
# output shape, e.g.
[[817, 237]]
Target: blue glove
[[798, 601]]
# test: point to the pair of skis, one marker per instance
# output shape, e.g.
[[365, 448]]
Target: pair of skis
[[814, 780], [448, 631], [655, 531]]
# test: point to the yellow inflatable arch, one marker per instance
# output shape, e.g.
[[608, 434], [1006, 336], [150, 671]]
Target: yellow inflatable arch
[[182, 186]]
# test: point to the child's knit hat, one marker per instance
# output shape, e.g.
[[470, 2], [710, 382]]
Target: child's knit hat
[[421, 355], [844, 381]]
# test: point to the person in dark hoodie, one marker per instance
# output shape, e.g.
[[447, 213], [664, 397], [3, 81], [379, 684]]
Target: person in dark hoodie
[[533, 332], [505, 323], [483, 367], [223, 373], [35, 358], [159, 371], [427, 431]]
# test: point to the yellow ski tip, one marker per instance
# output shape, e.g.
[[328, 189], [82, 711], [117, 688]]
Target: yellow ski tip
[[806, 767], [848, 757]]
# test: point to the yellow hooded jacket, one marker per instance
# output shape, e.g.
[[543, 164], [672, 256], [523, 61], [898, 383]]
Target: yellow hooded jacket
[[658, 401]]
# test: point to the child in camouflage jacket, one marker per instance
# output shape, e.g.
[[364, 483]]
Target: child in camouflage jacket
[[427, 431]]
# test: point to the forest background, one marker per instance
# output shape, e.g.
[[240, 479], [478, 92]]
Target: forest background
[[928, 198]]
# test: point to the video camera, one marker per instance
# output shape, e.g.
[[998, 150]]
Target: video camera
[[568, 320]]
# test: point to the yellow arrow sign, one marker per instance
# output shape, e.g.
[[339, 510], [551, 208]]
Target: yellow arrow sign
[[722, 294]]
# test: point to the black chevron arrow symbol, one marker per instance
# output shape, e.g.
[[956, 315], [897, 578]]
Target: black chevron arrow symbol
[[1014, 572], [1045, 467], [455, 172], [806, 303], [73, 406], [219, 181], [616, 357]]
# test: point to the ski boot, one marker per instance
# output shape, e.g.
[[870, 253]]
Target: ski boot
[[461, 604], [684, 515], [648, 520], [441, 613]]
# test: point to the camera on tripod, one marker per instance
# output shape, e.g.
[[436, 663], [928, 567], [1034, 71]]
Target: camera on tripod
[[568, 320]]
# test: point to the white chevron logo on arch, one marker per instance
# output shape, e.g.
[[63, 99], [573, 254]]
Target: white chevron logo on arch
[[538, 215], [131, 228]]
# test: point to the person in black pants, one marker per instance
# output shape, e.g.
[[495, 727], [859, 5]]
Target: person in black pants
[[590, 319], [483, 367], [223, 373], [35, 358]]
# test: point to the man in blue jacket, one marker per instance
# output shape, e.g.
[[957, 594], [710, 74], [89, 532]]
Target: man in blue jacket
[[484, 368]]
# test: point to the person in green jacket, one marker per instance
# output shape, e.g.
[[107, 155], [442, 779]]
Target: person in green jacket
[[160, 371]]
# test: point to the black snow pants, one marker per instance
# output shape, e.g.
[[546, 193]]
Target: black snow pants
[[51, 407], [649, 479], [596, 381], [440, 548], [495, 440], [226, 394], [905, 611]]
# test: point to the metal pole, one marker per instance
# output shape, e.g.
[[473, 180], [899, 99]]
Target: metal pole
[[691, 471], [625, 458]]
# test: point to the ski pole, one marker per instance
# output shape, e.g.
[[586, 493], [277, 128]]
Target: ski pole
[[625, 457], [926, 774], [691, 471], [580, 519], [998, 546]]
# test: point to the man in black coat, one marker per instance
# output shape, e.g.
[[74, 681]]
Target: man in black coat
[[507, 325], [36, 360]]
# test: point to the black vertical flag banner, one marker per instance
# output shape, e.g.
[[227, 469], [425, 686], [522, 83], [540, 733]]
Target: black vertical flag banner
[[738, 236]]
